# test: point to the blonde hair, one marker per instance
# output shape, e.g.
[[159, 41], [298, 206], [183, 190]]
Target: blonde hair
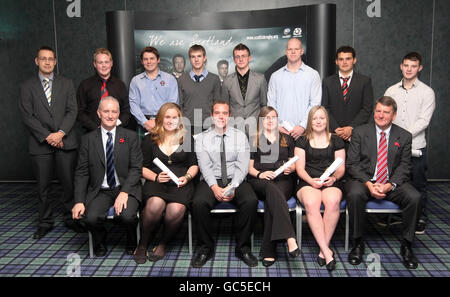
[[309, 130], [103, 51], [158, 133], [259, 130]]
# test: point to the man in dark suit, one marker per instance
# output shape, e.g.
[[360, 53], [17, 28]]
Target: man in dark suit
[[379, 163], [245, 90], [347, 95], [108, 173], [49, 109], [98, 86]]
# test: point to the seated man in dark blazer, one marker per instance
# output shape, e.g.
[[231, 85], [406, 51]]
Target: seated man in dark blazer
[[347, 95], [379, 163], [108, 173]]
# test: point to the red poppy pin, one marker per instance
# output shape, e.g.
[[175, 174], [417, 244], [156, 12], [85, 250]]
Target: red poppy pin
[[397, 144], [121, 140], [162, 83]]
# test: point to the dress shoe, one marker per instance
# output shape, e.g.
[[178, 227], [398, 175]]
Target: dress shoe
[[295, 253], [321, 261], [41, 231], [202, 256], [246, 256], [267, 263], [420, 228], [332, 264], [100, 250], [356, 254], [140, 255], [409, 260]]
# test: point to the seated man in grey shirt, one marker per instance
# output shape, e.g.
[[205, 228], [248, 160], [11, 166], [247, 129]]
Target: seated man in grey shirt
[[223, 155]]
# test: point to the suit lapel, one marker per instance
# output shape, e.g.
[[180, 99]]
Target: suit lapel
[[39, 89], [55, 91], [99, 146], [353, 82], [373, 147], [250, 83], [117, 145], [338, 87], [394, 138], [238, 88]]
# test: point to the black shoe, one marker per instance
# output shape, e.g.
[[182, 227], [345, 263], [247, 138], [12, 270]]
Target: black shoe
[[356, 254], [295, 253], [41, 231], [267, 263], [409, 260], [384, 222], [420, 228], [321, 261], [202, 256], [246, 256], [100, 250], [332, 264], [76, 226], [140, 255]]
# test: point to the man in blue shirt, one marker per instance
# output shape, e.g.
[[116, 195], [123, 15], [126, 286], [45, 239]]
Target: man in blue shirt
[[150, 89], [293, 90]]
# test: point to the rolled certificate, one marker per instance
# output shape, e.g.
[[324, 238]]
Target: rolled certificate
[[331, 169], [230, 190], [285, 165], [286, 125], [164, 168]]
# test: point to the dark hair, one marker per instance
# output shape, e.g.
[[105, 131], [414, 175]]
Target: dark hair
[[45, 48], [222, 62], [241, 47], [149, 49], [387, 101], [178, 56], [197, 48], [413, 56], [219, 102], [346, 49]]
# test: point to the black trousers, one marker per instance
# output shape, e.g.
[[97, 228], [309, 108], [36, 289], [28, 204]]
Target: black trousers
[[419, 181], [97, 210], [357, 195], [60, 164], [204, 201], [277, 221]]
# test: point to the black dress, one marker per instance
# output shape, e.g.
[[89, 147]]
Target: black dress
[[317, 160], [180, 160]]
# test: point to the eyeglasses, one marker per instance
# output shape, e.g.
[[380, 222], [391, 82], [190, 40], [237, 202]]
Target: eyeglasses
[[44, 59], [239, 57]]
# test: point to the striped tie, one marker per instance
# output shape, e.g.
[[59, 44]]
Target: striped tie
[[345, 87], [382, 171], [48, 91], [110, 162], [103, 90]]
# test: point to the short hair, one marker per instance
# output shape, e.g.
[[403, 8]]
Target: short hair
[[346, 49], [45, 48], [241, 47], [219, 102], [178, 56], [413, 56], [149, 49], [222, 62], [108, 98], [103, 51], [197, 48], [387, 101]]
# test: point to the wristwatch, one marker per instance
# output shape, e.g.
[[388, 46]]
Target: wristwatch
[[394, 185]]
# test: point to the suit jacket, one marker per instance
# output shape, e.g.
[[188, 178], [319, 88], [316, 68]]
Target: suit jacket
[[255, 98], [362, 154], [358, 107], [42, 119], [91, 167]]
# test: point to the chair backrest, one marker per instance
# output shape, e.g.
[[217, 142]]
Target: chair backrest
[[382, 206], [292, 204]]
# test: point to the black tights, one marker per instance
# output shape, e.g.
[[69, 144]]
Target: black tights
[[151, 217]]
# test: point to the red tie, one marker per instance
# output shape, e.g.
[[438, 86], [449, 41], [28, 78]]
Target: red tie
[[382, 172], [345, 87], [103, 90]]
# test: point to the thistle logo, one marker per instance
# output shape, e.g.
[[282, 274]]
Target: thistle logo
[[297, 32]]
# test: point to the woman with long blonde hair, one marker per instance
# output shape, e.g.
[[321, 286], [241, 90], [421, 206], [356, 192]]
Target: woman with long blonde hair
[[317, 149], [161, 195]]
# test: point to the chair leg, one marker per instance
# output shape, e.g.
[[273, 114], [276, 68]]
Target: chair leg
[[347, 229], [190, 232], [91, 245], [299, 227]]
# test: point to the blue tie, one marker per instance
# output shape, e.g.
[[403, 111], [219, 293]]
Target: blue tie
[[110, 162]]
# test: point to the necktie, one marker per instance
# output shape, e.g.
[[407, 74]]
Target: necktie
[[197, 77], [345, 87], [223, 162], [382, 172], [110, 162], [103, 90], [48, 91]]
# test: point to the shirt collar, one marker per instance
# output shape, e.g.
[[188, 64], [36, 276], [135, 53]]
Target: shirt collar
[[204, 73], [145, 75], [245, 76], [350, 75], [415, 83], [42, 77], [104, 131], [387, 131], [302, 67]]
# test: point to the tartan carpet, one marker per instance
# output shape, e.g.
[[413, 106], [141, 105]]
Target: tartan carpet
[[53, 255]]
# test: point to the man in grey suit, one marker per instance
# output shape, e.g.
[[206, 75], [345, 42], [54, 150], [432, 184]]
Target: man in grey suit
[[245, 90], [49, 110], [379, 163], [347, 95], [108, 173]]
